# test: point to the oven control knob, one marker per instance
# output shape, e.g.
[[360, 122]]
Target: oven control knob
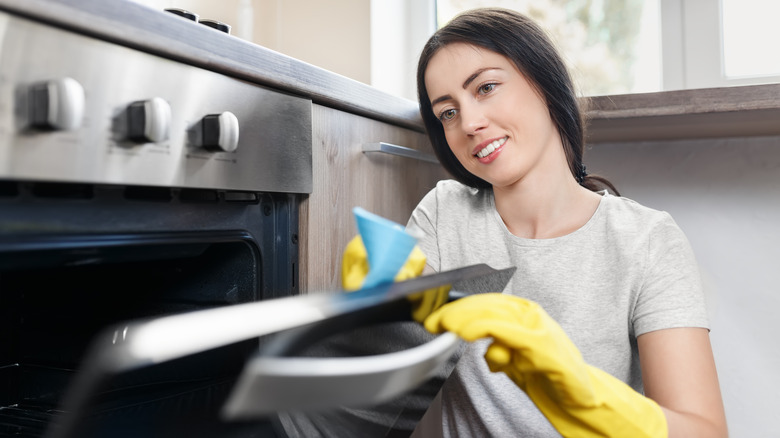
[[214, 24], [57, 104], [149, 120], [183, 13], [217, 132]]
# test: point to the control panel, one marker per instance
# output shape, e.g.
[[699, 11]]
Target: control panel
[[89, 111]]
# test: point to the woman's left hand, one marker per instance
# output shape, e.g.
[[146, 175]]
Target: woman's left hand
[[533, 350]]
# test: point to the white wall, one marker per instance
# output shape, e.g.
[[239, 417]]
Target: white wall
[[725, 195]]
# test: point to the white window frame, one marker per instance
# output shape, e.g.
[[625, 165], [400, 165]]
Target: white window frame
[[692, 47], [399, 30]]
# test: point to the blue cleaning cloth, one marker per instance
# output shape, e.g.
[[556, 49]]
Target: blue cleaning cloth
[[387, 243]]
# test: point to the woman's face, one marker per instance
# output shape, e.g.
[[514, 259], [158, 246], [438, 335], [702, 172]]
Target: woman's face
[[495, 122]]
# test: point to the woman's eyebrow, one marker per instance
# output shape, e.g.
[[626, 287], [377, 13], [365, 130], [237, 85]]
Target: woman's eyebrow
[[440, 99], [475, 75], [465, 85]]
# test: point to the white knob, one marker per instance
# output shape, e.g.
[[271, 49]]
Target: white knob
[[57, 104], [149, 120], [220, 132]]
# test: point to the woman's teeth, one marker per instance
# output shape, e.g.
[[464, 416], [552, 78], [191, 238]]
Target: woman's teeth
[[489, 149]]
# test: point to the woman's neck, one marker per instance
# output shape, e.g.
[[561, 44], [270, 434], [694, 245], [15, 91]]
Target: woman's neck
[[545, 207]]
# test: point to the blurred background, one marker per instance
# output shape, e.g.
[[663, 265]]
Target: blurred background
[[612, 46]]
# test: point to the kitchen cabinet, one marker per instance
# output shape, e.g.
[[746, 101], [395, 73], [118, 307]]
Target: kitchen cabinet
[[346, 177]]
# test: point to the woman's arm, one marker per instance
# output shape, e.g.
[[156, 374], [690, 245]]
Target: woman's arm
[[679, 373]]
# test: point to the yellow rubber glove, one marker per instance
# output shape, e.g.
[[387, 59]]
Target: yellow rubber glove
[[533, 350], [354, 268]]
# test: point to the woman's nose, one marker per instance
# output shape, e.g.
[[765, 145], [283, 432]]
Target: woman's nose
[[473, 119]]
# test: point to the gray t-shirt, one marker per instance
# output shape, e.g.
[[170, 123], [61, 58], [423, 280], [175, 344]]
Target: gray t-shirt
[[629, 270]]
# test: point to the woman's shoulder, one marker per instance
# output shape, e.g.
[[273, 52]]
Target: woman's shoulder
[[449, 192], [631, 209], [451, 200], [450, 187], [627, 212]]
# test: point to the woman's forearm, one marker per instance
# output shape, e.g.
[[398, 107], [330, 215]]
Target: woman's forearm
[[688, 425]]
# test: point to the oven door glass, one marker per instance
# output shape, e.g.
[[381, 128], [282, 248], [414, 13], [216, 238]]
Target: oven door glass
[[56, 293]]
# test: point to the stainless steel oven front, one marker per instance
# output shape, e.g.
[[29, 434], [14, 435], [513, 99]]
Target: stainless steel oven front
[[135, 186]]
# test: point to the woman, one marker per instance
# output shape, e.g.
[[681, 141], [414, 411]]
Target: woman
[[619, 278]]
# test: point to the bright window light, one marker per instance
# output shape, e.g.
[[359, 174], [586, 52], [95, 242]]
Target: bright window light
[[611, 47], [750, 31]]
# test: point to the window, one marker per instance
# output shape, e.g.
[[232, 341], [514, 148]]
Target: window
[[616, 46], [399, 30], [710, 43], [750, 24], [610, 46]]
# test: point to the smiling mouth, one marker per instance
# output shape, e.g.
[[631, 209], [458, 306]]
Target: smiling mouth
[[489, 149]]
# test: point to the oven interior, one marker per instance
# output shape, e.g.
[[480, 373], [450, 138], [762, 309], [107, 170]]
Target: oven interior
[[66, 277]]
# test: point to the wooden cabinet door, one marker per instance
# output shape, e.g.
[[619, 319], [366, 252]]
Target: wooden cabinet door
[[346, 177]]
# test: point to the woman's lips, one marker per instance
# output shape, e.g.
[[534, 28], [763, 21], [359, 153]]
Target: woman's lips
[[489, 151]]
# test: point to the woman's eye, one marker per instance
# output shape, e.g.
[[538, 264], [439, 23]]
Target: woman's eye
[[486, 88], [447, 114]]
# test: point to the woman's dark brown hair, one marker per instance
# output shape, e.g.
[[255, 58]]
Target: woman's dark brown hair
[[516, 37]]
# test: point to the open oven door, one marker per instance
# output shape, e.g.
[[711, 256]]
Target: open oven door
[[272, 380]]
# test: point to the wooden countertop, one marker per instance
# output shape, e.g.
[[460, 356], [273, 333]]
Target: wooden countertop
[[701, 113], [704, 113]]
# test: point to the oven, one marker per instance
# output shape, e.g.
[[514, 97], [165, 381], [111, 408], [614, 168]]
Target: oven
[[134, 186]]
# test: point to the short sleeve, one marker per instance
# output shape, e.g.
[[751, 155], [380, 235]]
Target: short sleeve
[[671, 293]]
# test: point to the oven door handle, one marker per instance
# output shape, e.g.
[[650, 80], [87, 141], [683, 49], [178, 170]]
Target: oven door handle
[[276, 384], [272, 381]]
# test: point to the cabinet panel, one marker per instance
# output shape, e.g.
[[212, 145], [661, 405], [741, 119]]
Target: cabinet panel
[[345, 177]]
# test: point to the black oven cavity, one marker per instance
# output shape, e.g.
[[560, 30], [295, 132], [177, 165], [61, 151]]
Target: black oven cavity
[[76, 258]]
